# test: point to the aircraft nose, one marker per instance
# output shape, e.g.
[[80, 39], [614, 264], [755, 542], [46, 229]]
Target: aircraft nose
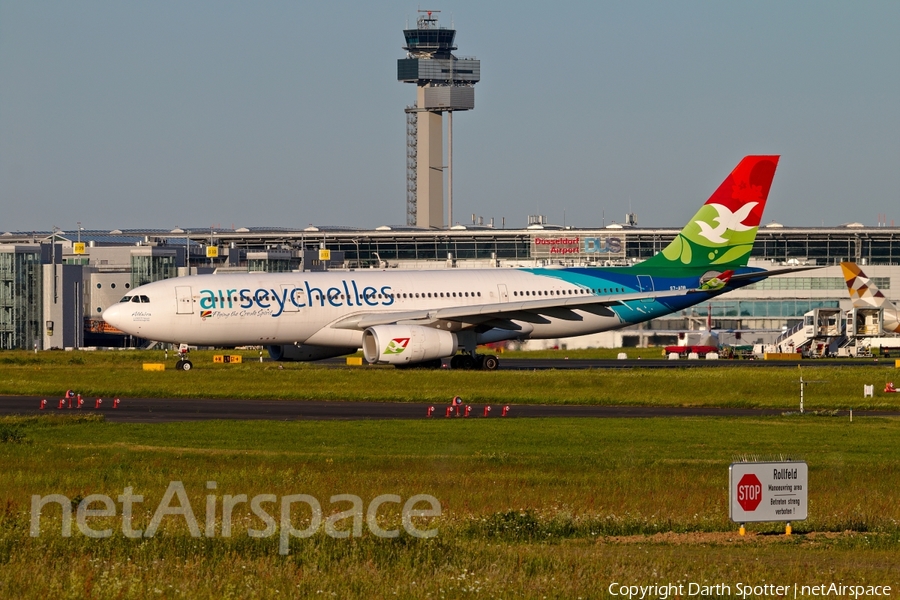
[[113, 315]]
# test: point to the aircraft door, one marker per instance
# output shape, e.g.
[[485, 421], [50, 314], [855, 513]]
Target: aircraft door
[[184, 301], [645, 283], [503, 292], [293, 296]]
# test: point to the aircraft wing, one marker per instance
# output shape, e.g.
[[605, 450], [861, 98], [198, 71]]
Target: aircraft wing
[[533, 311]]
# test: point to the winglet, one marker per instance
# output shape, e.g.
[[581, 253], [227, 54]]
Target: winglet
[[722, 232]]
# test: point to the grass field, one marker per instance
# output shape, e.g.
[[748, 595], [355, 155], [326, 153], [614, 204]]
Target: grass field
[[107, 374], [557, 508], [536, 508]]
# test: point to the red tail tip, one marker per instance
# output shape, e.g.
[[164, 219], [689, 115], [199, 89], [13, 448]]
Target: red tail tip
[[750, 181]]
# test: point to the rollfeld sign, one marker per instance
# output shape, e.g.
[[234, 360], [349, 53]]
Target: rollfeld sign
[[768, 491]]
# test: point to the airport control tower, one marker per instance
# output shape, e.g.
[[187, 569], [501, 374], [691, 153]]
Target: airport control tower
[[444, 83]]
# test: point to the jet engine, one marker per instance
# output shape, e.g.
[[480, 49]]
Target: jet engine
[[407, 344], [306, 352]]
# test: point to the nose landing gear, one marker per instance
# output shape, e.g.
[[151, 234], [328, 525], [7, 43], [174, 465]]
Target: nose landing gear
[[183, 363]]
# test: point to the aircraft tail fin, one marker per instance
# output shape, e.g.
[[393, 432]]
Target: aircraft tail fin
[[722, 232], [863, 292]]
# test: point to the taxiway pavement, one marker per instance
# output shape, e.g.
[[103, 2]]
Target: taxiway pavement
[[162, 410]]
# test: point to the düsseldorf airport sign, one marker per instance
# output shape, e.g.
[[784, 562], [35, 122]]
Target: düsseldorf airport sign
[[768, 491], [575, 245]]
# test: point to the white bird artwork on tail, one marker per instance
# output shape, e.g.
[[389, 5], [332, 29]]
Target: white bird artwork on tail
[[726, 220]]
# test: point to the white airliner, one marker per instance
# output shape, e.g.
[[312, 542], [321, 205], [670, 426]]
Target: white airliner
[[421, 317]]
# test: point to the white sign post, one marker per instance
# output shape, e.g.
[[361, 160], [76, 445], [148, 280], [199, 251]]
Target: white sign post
[[768, 491]]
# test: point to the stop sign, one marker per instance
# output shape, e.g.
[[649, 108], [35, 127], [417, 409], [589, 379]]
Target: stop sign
[[749, 492]]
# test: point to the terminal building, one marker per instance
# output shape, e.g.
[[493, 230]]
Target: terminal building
[[54, 286]]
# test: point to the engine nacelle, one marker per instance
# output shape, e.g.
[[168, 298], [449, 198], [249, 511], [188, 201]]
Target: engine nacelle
[[406, 344], [306, 352]]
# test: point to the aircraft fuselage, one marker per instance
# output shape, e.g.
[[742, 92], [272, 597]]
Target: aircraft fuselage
[[301, 307]]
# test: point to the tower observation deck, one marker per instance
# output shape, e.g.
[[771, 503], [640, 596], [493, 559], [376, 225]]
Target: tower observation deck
[[444, 83]]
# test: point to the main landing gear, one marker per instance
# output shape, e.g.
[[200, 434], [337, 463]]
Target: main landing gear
[[470, 362]]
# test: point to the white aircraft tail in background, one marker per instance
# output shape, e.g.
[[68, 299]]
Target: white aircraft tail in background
[[864, 294]]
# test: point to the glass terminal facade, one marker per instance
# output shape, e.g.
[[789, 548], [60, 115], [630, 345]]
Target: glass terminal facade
[[149, 268], [270, 262], [821, 248], [20, 297], [825, 246], [368, 250]]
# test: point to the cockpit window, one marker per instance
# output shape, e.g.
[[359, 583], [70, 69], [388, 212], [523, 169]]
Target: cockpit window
[[145, 299], [126, 299]]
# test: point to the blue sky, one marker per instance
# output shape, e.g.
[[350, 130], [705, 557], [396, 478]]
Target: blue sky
[[202, 113]]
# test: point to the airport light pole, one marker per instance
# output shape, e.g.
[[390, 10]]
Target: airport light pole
[[356, 242], [53, 260]]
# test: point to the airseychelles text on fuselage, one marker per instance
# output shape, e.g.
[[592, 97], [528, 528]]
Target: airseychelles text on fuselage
[[275, 301], [286, 298]]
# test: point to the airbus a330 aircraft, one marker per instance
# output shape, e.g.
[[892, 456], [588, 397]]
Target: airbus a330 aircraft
[[421, 317]]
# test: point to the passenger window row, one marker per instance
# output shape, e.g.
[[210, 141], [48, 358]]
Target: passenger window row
[[439, 295], [411, 295], [569, 292]]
